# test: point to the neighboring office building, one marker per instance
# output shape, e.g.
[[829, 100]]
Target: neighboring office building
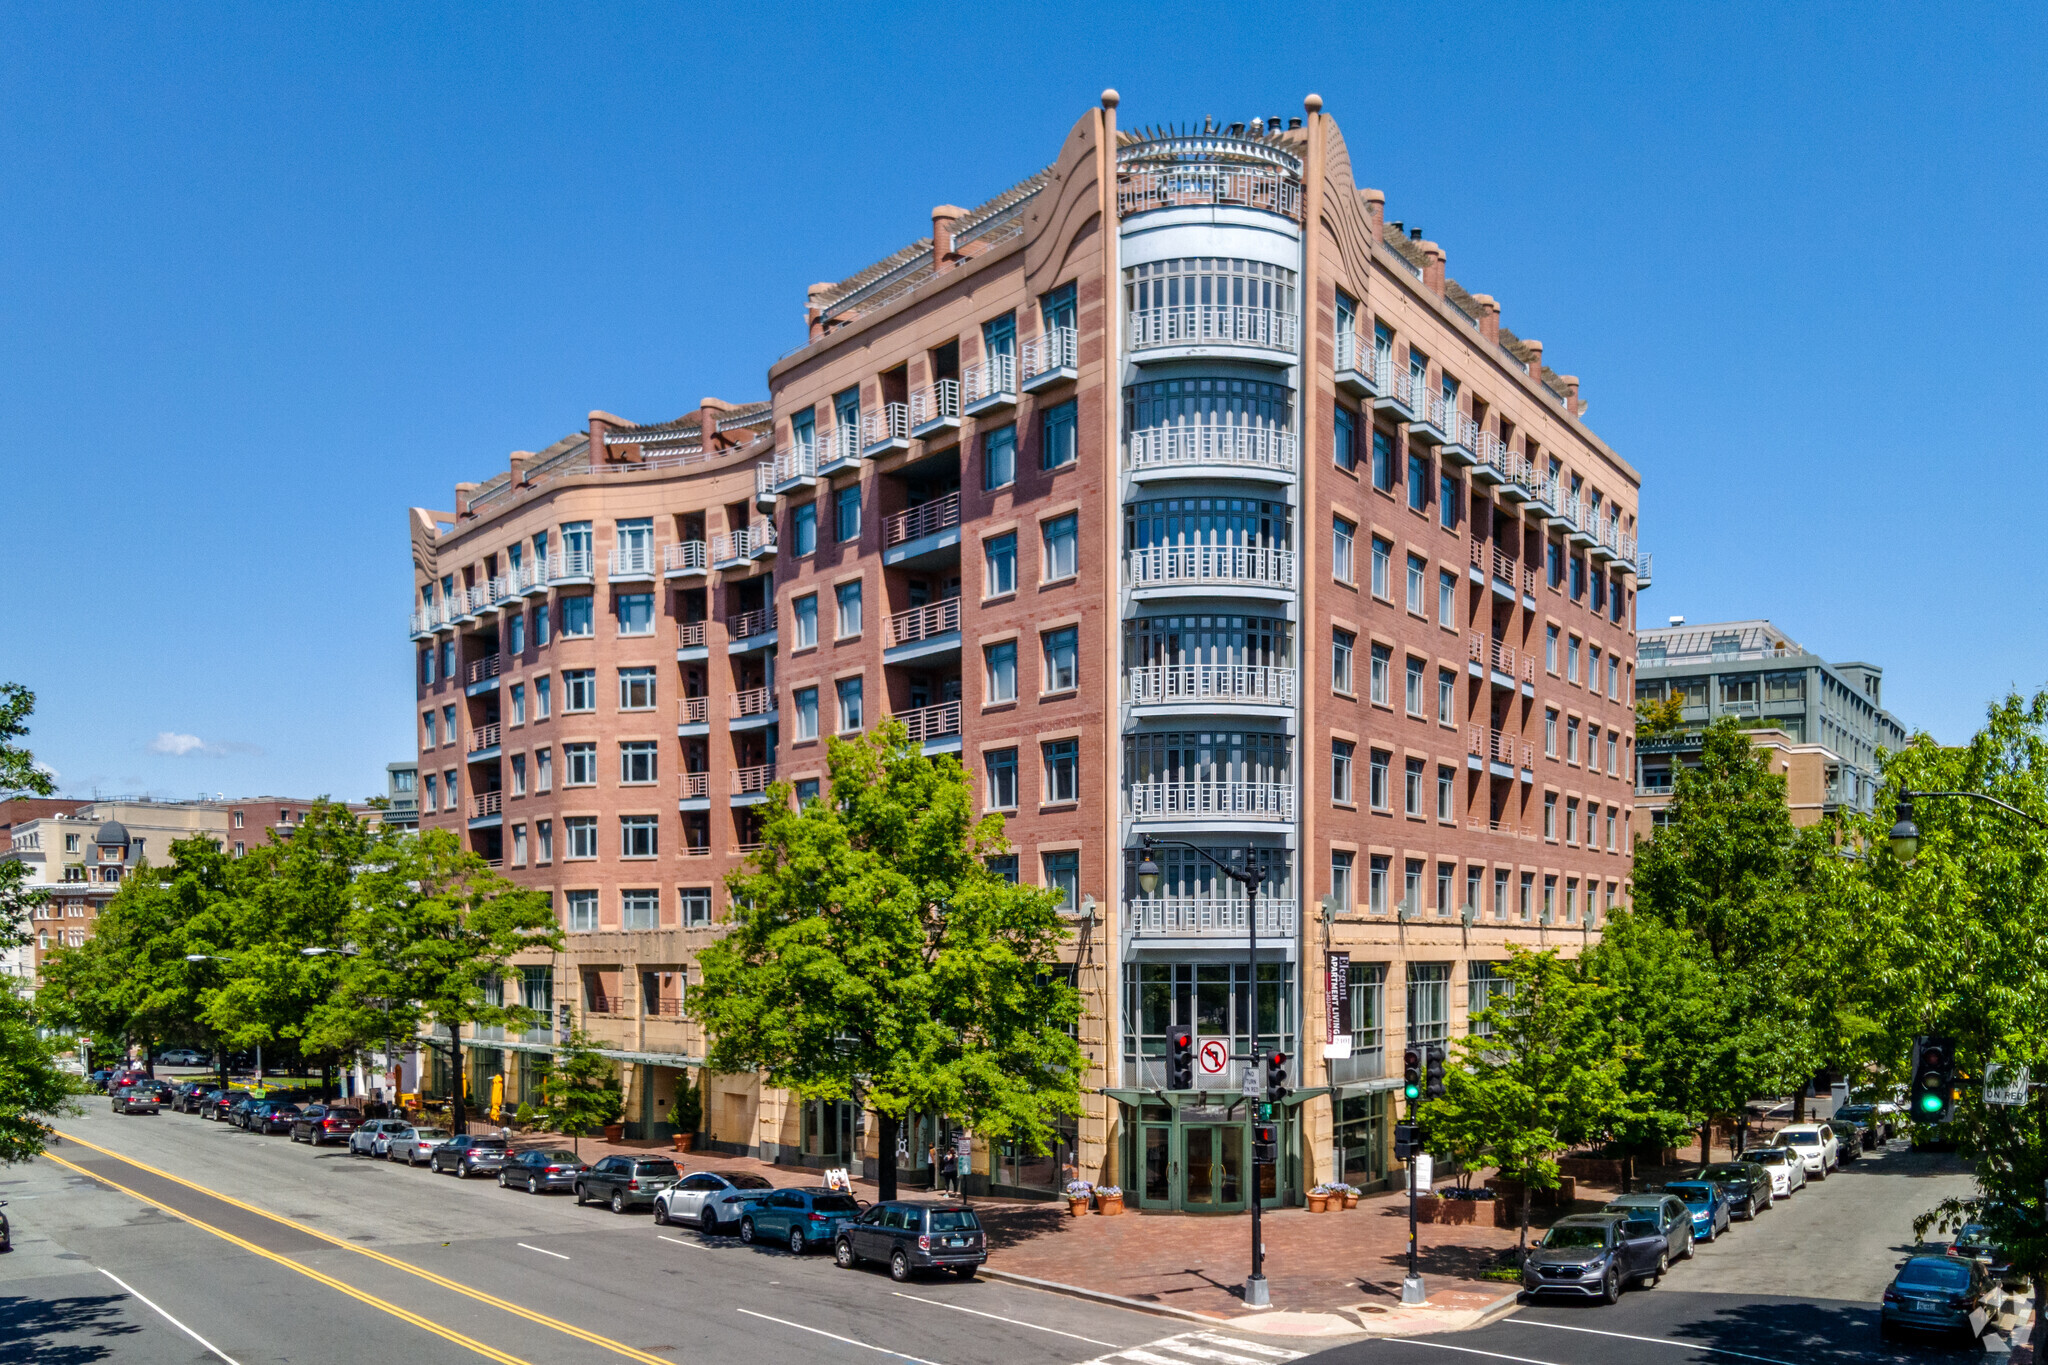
[[1170, 515], [401, 796], [19, 961], [1812, 772], [1831, 715]]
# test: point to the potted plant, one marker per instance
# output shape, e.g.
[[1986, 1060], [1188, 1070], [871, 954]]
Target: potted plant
[[524, 1118], [688, 1115], [1078, 1193], [1350, 1193], [1109, 1199], [1319, 1199]]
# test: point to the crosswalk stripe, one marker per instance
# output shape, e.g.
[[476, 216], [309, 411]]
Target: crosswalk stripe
[[1189, 1347], [1270, 1352]]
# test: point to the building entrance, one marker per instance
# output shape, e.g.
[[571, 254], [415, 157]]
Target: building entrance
[[1198, 1159]]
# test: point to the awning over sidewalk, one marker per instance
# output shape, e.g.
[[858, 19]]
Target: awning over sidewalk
[[675, 1059], [1202, 1099]]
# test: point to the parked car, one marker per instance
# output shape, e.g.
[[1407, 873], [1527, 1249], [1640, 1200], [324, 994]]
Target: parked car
[[913, 1237], [188, 1096], [1849, 1139], [626, 1182], [1815, 1143], [544, 1168], [140, 1097], [321, 1124], [1975, 1242], [799, 1218], [1877, 1128], [468, 1154], [415, 1144], [1787, 1169], [99, 1078], [710, 1199], [1666, 1212], [1944, 1294], [1708, 1205], [372, 1137], [183, 1056], [219, 1105], [6, 1233], [1747, 1186], [270, 1116], [1593, 1255]]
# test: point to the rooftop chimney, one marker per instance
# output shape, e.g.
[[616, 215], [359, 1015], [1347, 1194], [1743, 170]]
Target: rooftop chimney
[[1432, 264], [1375, 210], [1414, 234], [814, 308], [1489, 316], [943, 218]]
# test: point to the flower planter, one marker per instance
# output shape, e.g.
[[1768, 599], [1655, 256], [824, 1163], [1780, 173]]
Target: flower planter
[[1455, 1211], [615, 1132], [1110, 1204], [683, 1141], [1350, 1201], [1078, 1208], [1318, 1203]]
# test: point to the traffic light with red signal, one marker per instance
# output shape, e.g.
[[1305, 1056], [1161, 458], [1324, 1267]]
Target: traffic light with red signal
[[1180, 1060], [1276, 1077]]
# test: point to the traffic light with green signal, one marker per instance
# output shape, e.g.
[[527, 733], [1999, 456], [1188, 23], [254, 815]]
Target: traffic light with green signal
[[1411, 1063], [1932, 1090]]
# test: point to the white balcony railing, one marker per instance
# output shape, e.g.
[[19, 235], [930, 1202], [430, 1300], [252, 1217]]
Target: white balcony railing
[[685, 556], [531, 575], [1348, 351], [1259, 683], [994, 377], [931, 722], [731, 546], [1213, 443], [799, 461], [935, 402], [693, 710], [630, 561], [1497, 747], [751, 623], [892, 423], [755, 701], [690, 635], [1200, 800], [1430, 408], [747, 781], [504, 588], [1244, 565], [568, 564], [921, 520], [1190, 916], [922, 623], [486, 667], [484, 737], [841, 444], [1053, 349], [1219, 324]]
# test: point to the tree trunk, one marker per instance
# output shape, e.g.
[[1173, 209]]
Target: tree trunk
[[1799, 1103], [458, 1118], [326, 1082], [1707, 1142], [885, 1157], [1522, 1237]]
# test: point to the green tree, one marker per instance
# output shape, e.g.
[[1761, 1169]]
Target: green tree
[[33, 1091], [580, 1089], [1659, 717], [1539, 1074], [1668, 1014], [20, 777], [872, 955]]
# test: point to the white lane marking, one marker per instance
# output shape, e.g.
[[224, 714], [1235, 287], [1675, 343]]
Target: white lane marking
[[1274, 1352], [681, 1243], [1182, 1348], [916, 1360], [1654, 1341], [542, 1250], [940, 1303], [168, 1318], [1465, 1350]]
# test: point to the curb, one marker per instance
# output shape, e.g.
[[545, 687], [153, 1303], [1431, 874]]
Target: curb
[[1502, 1306], [1101, 1296]]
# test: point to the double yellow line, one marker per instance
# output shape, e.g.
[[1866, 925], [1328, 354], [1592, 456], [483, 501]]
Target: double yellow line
[[489, 1352]]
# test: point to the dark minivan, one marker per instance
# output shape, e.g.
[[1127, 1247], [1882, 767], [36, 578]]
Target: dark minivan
[[913, 1237]]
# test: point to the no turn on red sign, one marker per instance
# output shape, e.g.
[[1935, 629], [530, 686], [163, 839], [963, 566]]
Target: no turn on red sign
[[1214, 1057]]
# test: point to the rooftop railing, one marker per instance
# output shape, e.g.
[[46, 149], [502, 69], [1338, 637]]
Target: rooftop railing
[[1141, 191], [924, 519]]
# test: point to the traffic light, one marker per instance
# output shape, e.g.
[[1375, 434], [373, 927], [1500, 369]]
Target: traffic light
[[1411, 1062], [1434, 1088], [1180, 1062], [1407, 1141], [1276, 1077], [1933, 1087], [1265, 1144]]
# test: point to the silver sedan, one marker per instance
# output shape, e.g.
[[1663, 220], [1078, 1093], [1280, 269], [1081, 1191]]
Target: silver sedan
[[374, 1137], [415, 1145]]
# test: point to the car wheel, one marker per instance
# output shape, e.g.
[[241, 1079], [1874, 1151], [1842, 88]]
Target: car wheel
[[842, 1255], [533, 1184], [579, 1194], [461, 1169], [796, 1241], [899, 1267], [618, 1201], [434, 1164], [1688, 1247], [708, 1220], [660, 1214], [501, 1181], [1663, 1264], [747, 1231]]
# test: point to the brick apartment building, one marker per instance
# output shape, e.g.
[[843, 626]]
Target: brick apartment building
[[1178, 492]]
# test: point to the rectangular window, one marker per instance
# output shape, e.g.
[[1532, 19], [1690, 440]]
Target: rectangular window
[[1446, 793], [1381, 679], [582, 834], [1550, 815], [577, 619], [1429, 1002], [544, 840], [448, 723], [579, 765], [449, 782], [519, 846], [1571, 740], [582, 911], [1000, 554], [448, 658], [1379, 872], [999, 458], [1062, 546], [1447, 599], [516, 635], [519, 774], [1610, 829], [1382, 460], [1554, 563], [1062, 659], [1000, 669], [1344, 438], [803, 523], [579, 690], [1341, 861], [1411, 786], [1613, 677], [1417, 576], [1418, 481], [1411, 887], [540, 626], [640, 910], [1446, 697], [1002, 779], [1382, 559], [637, 762], [543, 770], [430, 797], [427, 720], [807, 788], [1342, 643], [1004, 865], [1500, 893], [1062, 770], [1413, 686], [543, 697], [1528, 894], [1571, 821], [636, 689], [1446, 884], [847, 596], [637, 836], [427, 666], [1550, 734], [850, 714], [1549, 898], [846, 513], [1447, 502], [1571, 660], [805, 612], [1550, 649], [1058, 447], [1613, 770], [1063, 874], [694, 906], [806, 699], [1593, 667], [519, 703], [1343, 537], [1340, 770], [1377, 780]]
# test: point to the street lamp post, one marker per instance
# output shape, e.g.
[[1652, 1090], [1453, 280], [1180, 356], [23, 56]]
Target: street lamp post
[[1905, 835], [1256, 1294]]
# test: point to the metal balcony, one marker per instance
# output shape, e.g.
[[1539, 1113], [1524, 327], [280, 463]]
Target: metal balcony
[[486, 808], [750, 629], [1216, 800], [696, 787], [484, 669], [924, 632], [935, 409], [1491, 659], [1207, 326], [483, 741], [750, 785], [1356, 373], [1429, 426], [690, 641], [630, 563], [1460, 449], [764, 486], [990, 385], [685, 558], [1207, 917], [693, 715], [1497, 751], [532, 577], [796, 467], [1396, 388], [1260, 450], [927, 518], [1049, 358], [1220, 684], [753, 708], [1255, 567], [569, 566], [841, 450], [730, 549], [937, 728], [1489, 460], [884, 431]]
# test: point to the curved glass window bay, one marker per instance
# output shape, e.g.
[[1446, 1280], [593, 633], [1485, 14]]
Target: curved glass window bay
[[1210, 299], [1202, 774], [1207, 540], [1208, 658], [1210, 421]]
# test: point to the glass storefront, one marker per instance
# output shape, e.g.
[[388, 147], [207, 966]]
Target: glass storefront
[[1043, 1172], [1361, 1138]]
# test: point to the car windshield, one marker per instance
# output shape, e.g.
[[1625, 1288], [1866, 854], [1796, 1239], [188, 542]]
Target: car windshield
[[1974, 1235], [749, 1182], [488, 1142], [1950, 1277], [560, 1156], [1770, 1156], [1700, 1195], [430, 1134], [834, 1203], [1804, 1139], [1725, 1175], [1572, 1238], [656, 1168], [954, 1220]]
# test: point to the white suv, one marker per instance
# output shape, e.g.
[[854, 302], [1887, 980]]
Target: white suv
[[1816, 1145]]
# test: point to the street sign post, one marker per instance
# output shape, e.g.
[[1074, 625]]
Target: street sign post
[[2006, 1084]]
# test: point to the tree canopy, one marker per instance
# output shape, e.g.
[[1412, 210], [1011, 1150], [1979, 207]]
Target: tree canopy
[[33, 1091]]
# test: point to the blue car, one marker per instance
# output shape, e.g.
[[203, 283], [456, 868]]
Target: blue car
[[799, 1219], [1707, 1202]]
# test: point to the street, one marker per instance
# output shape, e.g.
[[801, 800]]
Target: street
[[378, 1262], [1799, 1286]]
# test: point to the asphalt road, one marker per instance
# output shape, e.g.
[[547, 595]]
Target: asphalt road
[[1799, 1286], [242, 1248]]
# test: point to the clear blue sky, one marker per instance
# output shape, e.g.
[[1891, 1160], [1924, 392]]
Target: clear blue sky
[[270, 274]]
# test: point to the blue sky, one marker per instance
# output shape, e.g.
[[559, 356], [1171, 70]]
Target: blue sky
[[271, 274]]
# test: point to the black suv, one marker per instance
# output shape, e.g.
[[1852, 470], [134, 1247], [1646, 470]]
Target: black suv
[[468, 1155], [913, 1237]]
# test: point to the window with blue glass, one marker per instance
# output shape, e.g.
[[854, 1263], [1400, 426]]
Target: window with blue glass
[[448, 649], [1418, 482], [803, 430], [1382, 461], [1057, 308], [807, 791], [1553, 566], [636, 613], [1004, 865], [577, 617], [846, 407], [1578, 578], [1447, 502], [804, 528], [1063, 874], [1002, 780], [999, 458], [999, 336], [1345, 440], [846, 513], [1057, 431]]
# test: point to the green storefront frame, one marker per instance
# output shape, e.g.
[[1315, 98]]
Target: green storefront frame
[[1189, 1152]]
